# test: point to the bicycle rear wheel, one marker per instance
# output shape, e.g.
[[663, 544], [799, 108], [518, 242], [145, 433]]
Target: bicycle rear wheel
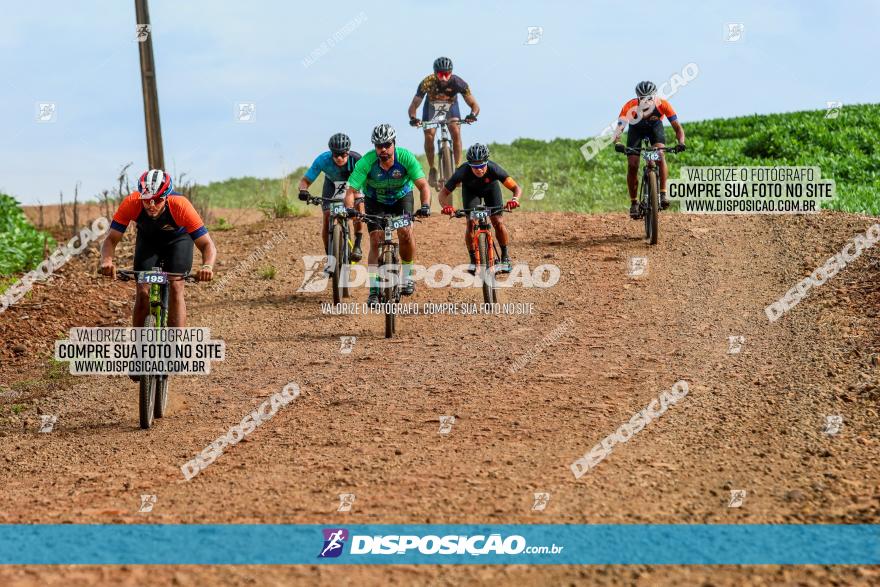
[[486, 268], [653, 217], [337, 244], [147, 386]]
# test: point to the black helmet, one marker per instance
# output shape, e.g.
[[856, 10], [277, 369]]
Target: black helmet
[[339, 143], [384, 133], [645, 89], [442, 64], [477, 154]]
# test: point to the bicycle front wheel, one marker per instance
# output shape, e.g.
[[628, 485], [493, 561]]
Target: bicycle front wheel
[[336, 247], [147, 384], [652, 219], [445, 164], [387, 294], [486, 268]]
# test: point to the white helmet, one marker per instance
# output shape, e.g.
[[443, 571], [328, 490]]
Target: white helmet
[[154, 183]]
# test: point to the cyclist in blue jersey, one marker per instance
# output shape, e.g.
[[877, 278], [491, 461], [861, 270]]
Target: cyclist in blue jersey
[[337, 165]]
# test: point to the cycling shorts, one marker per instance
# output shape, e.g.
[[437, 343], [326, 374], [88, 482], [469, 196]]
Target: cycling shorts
[[403, 205], [653, 131], [174, 255]]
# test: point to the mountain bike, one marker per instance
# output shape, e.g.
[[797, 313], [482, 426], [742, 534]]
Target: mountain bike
[[444, 142], [389, 263], [484, 246], [154, 388], [649, 188], [339, 243]]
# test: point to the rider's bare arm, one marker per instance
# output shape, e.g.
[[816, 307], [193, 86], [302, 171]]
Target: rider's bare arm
[[304, 184], [206, 247], [424, 191], [413, 105], [350, 195], [510, 184], [445, 197], [621, 126], [108, 248], [472, 102], [679, 131]]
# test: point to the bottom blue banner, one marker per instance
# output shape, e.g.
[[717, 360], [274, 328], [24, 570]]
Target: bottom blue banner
[[533, 544]]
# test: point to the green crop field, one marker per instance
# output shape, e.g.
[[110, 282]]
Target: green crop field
[[21, 245], [845, 148]]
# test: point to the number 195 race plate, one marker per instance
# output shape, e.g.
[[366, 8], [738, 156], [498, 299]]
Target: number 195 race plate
[[156, 277]]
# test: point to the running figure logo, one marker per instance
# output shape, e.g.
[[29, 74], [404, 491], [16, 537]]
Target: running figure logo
[[541, 501], [734, 344], [637, 266], [833, 424], [539, 190], [334, 540], [147, 503], [737, 497]]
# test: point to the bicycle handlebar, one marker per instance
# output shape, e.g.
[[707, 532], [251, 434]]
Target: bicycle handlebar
[[321, 199], [637, 150], [461, 213], [382, 219], [129, 274], [438, 123]]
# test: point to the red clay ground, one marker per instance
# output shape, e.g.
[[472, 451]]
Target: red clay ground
[[367, 422]]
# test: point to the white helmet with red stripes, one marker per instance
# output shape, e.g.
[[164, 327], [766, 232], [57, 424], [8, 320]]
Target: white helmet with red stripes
[[154, 183]]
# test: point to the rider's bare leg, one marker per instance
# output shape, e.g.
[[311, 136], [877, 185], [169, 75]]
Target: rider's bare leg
[[664, 171], [325, 228], [141, 305], [176, 304], [632, 176], [429, 146], [455, 131]]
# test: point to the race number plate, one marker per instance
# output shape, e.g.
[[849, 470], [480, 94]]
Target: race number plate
[[339, 189], [652, 155], [479, 214], [441, 110], [153, 277], [399, 222], [337, 209]]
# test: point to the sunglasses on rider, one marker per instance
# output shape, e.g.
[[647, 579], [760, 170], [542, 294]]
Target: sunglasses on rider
[[478, 165], [444, 75], [155, 200], [384, 145], [338, 154]]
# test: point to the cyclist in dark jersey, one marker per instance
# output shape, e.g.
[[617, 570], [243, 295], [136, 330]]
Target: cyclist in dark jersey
[[644, 114], [168, 226], [337, 165], [442, 86], [480, 179]]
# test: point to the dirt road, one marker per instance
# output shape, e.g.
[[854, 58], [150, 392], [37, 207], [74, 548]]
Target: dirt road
[[603, 345]]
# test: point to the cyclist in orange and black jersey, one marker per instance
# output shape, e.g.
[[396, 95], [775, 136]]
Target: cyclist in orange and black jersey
[[644, 114]]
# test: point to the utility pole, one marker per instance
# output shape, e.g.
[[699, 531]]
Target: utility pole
[[148, 81]]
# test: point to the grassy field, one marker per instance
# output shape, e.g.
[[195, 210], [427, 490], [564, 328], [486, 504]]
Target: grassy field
[[845, 148]]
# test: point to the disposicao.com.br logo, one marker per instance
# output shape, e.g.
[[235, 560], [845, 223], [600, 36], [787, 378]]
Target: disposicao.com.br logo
[[431, 544]]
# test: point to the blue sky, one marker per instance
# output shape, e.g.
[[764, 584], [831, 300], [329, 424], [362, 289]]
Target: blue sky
[[212, 54]]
